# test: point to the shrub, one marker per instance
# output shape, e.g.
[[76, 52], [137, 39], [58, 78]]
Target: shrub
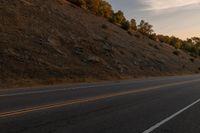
[[130, 33], [80, 3], [193, 55], [176, 52], [150, 44], [156, 47], [161, 44], [192, 59], [106, 37], [137, 35], [104, 26]]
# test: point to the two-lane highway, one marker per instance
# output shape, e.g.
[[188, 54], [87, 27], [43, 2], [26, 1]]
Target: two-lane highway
[[158, 105]]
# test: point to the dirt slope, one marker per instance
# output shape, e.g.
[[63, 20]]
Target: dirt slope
[[52, 41]]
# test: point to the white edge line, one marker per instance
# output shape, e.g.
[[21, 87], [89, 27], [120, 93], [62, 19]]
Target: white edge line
[[151, 129]]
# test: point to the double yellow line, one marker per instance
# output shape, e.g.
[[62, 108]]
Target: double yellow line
[[85, 100]]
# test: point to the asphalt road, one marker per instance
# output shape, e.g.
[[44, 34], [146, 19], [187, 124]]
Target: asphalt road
[[157, 105]]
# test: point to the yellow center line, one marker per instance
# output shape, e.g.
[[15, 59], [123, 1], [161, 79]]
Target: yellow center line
[[85, 100]]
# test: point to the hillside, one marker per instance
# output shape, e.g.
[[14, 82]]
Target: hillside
[[53, 41]]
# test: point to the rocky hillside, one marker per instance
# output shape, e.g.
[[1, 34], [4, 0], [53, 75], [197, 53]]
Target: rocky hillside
[[53, 41]]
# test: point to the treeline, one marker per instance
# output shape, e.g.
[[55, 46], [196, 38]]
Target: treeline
[[104, 9], [191, 45], [98, 7]]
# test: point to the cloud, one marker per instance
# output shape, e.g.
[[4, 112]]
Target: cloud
[[169, 4]]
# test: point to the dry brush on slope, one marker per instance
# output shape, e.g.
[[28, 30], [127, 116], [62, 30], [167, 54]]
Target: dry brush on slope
[[53, 41]]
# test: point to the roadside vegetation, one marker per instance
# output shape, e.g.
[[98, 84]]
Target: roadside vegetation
[[104, 9]]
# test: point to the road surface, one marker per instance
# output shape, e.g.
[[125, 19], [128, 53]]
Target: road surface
[[157, 105]]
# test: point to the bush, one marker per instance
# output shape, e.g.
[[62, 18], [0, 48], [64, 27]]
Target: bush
[[104, 26], [176, 52], [137, 35], [150, 44], [80, 3], [193, 55], [156, 47], [192, 59], [130, 33]]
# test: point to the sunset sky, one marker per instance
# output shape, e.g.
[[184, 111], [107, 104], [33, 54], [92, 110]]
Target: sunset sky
[[171, 17]]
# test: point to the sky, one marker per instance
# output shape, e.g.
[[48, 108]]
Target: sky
[[180, 18]]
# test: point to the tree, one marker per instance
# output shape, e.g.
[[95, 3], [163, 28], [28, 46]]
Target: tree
[[93, 5], [118, 18], [133, 25], [105, 9], [126, 25], [176, 42], [145, 28], [195, 40], [141, 26], [164, 39], [153, 36], [187, 45]]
